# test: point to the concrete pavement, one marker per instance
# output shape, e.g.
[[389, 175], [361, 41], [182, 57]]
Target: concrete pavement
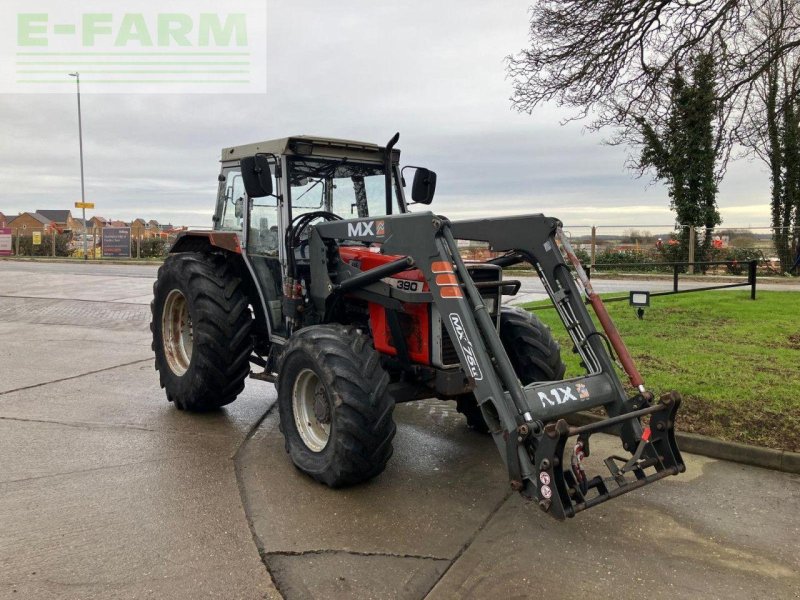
[[106, 491]]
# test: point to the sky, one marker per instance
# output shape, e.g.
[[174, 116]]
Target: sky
[[434, 71]]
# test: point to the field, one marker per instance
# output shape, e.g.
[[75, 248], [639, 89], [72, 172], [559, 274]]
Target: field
[[736, 361]]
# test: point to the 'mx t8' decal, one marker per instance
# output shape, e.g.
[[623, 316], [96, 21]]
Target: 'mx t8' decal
[[466, 347]]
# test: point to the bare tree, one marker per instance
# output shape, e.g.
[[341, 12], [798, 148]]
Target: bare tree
[[772, 131], [636, 236], [612, 59]]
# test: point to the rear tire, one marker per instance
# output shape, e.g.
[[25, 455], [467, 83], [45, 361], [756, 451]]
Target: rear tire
[[201, 331], [335, 412], [533, 353]]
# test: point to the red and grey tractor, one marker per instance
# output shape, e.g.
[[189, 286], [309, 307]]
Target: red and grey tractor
[[316, 273]]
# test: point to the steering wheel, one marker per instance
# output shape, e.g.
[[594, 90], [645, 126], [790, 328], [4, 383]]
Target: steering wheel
[[297, 233]]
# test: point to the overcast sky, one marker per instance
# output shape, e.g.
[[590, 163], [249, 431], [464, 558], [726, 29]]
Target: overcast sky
[[361, 70]]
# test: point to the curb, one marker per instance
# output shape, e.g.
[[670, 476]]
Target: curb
[[79, 261], [694, 443]]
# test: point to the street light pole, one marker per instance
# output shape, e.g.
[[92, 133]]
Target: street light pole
[[77, 77]]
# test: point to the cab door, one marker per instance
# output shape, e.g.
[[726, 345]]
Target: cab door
[[262, 249]]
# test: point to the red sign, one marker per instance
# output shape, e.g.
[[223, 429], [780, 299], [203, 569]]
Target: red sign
[[6, 249]]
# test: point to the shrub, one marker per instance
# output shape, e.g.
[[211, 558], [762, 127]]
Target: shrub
[[150, 248], [583, 256], [617, 259], [26, 247], [742, 256]]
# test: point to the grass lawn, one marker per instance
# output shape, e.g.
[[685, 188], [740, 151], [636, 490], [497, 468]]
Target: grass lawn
[[735, 361]]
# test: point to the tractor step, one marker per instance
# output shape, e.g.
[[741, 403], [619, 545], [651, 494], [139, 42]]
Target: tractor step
[[563, 489]]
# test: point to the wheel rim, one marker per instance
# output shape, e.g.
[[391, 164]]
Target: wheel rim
[[177, 333], [312, 410]]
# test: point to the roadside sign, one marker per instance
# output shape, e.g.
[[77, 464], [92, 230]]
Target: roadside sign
[[5, 242], [37, 238], [84, 205], [116, 242]]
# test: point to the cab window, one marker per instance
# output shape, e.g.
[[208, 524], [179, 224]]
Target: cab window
[[230, 203], [348, 189]]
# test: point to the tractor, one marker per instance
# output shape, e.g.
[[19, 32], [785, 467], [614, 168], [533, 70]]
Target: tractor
[[317, 277]]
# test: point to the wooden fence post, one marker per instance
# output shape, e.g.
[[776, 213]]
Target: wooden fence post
[[594, 242]]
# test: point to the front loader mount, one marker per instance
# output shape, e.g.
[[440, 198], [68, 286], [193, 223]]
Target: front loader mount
[[527, 423]]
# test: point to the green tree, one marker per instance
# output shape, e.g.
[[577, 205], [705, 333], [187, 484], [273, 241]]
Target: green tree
[[683, 153], [774, 131], [788, 203]]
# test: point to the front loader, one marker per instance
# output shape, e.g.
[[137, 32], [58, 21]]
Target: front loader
[[350, 304]]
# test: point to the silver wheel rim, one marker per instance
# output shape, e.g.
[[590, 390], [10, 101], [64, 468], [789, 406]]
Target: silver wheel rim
[[177, 334], [312, 410]]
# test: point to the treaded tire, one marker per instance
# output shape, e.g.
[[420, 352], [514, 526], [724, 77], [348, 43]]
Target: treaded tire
[[221, 322], [529, 343], [533, 353], [361, 427]]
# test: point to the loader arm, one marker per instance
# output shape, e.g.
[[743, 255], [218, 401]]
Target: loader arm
[[527, 422]]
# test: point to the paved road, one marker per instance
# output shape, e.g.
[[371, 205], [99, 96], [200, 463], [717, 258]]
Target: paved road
[[107, 492]]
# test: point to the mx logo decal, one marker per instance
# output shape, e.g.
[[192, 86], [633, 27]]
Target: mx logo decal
[[559, 396]]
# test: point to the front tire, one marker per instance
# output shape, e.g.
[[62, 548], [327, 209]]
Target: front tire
[[335, 412], [533, 353], [201, 331]]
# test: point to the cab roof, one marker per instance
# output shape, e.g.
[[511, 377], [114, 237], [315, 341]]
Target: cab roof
[[310, 145]]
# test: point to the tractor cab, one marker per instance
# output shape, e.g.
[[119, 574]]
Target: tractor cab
[[264, 188], [308, 174]]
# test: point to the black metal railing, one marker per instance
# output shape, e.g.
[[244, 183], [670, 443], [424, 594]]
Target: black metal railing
[[677, 268]]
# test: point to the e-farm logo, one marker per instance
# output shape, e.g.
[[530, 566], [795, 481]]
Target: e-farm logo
[[149, 46]]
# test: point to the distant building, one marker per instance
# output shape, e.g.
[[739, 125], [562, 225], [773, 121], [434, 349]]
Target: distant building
[[138, 228], [3, 220], [60, 219], [26, 223], [98, 222]]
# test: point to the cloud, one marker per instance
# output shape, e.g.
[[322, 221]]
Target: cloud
[[432, 70]]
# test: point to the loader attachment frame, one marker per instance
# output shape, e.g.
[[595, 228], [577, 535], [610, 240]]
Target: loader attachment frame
[[527, 422]]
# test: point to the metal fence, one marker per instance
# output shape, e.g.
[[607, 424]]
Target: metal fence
[[50, 242], [678, 268], [640, 248]]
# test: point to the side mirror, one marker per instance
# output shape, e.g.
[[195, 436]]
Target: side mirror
[[424, 186], [256, 176]]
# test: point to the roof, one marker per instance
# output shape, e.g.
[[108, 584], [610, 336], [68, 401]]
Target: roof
[[41, 218], [59, 216], [305, 145]]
